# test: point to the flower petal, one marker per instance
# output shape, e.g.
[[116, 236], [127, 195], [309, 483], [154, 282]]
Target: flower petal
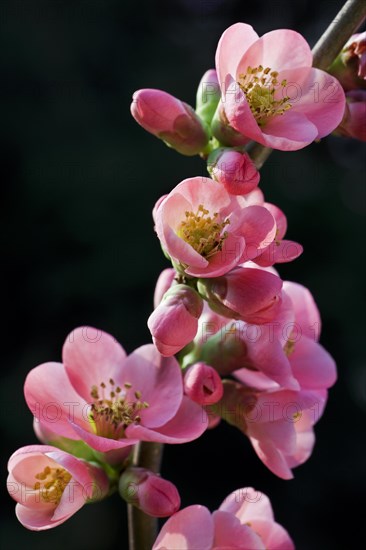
[[230, 533], [247, 504], [189, 529], [53, 400], [279, 49], [188, 424], [233, 43], [91, 356]]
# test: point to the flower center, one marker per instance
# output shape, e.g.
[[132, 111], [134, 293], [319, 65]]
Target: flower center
[[259, 86], [52, 483], [203, 232], [289, 347], [111, 413]]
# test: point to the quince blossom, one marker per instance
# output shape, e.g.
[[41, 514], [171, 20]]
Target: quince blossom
[[206, 231], [244, 520], [50, 485], [270, 91], [111, 401]]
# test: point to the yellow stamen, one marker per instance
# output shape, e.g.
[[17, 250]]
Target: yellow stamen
[[259, 92], [203, 232], [55, 481]]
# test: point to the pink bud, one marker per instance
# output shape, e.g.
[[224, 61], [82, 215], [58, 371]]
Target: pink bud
[[354, 121], [174, 323], [350, 65], [149, 492], [234, 170], [202, 384], [252, 295], [169, 119], [164, 282]]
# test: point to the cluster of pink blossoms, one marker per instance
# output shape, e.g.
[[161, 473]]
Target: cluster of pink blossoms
[[246, 343]]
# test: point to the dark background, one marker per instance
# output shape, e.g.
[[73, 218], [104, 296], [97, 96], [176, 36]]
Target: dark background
[[78, 180]]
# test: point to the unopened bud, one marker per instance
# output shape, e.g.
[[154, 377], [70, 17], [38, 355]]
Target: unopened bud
[[354, 121], [350, 65], [208, 96], [234, 170], [169, 119], [174, 323], [202, 384], [149, 492]]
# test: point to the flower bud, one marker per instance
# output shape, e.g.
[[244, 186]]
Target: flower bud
[[163, 284], [173, 324], [208, 96], [252, 295], [202, 384], [149, 492], [350, 65], [169, 119], [354, 121], [234, 170]]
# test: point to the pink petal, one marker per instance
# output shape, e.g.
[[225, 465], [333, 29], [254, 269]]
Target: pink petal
[[238, 112], [289, 132], [188, 424], [259, 229], [268, 356], [202, 190], [53, 400], [312, 365], [279, 216], [102, 444], [247, 504], [159, 380], [35, 519], [306, 311], [280, 49], [230, 533], [272, 458], [273, 535], [232, 44], [305, 442], [188, 529], [73, 498], [280, 433], [279, 252], [322, 99], [91, 356], [224, 260]]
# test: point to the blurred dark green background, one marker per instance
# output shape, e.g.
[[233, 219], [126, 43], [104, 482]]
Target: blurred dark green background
[[78, 180]]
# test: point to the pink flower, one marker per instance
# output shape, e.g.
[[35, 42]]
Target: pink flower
[[173, 324], [206, 231], [149, 492], [111, 401], [353, 124], [270, 92], [50, 485], [234, 170], [279, 423], [203, 384], [244, 520], [169, 119]]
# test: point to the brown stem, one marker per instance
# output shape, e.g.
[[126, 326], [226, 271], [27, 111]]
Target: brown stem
[[345, 23], [143, 529]]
